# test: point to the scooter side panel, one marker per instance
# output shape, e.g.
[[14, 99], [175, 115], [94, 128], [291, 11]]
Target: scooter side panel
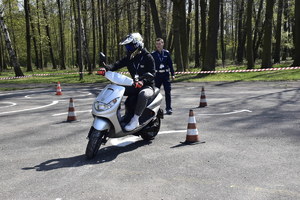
[[155, 104]]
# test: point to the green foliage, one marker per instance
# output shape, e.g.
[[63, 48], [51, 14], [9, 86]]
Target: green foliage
[[116, 12]]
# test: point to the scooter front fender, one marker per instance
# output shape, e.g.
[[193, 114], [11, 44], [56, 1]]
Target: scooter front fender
[[101, 124]]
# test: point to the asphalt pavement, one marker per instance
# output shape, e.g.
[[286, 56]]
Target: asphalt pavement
[[251, 149]]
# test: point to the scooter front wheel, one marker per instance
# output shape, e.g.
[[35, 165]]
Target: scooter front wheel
[[152, 130], [95, 140]]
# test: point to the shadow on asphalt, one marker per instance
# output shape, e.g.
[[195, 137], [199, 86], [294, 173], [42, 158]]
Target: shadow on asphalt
[[105, 154], [279, 113], [182, 144]]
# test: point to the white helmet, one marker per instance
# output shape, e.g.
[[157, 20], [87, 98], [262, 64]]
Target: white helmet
[[133, 42]]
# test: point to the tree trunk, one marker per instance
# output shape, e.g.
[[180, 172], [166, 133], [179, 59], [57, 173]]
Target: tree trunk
[[76, 35], [12, 30], [37, 64], [297, 34], [117, 27], [241, 43], [47, 27], [212, 36], [79, 45], [232, 32], [188, 27], [203, 6], [129, 17], [84, 35], [40, 43], [250, 61], [257, 31], [177, 44], [197, 43], [285, 28], [139, 17], [11, 52], [267, 47], [147, 24], [163, 17], [222, 32], [99, 25], [1, 54], [62, 37], [72, 26], [184, 45], [170, 40], [94, 36], [278, 32], [85, 47], [180, 34], [104, 25], [28, 37], [155, 19]]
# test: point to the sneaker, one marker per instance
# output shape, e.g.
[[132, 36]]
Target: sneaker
[[169, 112], [133, 124]]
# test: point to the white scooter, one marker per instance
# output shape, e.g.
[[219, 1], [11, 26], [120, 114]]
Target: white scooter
[[106, 111]]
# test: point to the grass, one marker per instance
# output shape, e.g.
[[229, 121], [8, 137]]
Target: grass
[[36, 81], [49, 79], [284, 75]]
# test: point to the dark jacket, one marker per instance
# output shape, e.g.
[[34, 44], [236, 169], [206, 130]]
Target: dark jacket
[[163, 59], [140, 65]]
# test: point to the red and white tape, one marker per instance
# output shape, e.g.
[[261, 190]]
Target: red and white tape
[[52, 74], [196, 72], [239, 70]]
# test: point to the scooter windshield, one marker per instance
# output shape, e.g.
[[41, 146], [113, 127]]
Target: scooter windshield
[[118, 78]]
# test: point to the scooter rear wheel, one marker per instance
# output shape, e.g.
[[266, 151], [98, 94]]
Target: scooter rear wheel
[[95, 140], [152, 131]]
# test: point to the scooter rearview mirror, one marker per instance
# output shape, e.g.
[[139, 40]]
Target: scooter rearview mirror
[[102, 57]]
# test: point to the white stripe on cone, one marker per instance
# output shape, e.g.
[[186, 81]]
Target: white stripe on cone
[[192, 120], [72, 114], [192, 132]]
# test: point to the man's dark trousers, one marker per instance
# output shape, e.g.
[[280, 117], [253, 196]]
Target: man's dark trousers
[[164, 79]]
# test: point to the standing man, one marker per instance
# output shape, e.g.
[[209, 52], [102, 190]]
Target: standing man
[[163, 67]]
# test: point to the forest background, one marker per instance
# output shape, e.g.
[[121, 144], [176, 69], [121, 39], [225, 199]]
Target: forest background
[[201, 34]]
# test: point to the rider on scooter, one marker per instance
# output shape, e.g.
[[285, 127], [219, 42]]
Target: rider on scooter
[[141, 67]]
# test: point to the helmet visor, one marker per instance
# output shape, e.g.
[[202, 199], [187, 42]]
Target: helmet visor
[[130, 47], [127, 40]]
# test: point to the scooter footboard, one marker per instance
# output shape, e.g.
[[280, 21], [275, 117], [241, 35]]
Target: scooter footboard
[[101, 124]]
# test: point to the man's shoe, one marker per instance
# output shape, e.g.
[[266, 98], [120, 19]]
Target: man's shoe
[[169, 112], [133, 124]]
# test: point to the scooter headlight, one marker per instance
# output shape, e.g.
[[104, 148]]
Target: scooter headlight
[[101, 106]]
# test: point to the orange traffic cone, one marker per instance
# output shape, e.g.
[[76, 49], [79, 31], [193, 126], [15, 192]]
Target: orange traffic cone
[[192, 132], [71, 114], [58, 89], [203, 102]]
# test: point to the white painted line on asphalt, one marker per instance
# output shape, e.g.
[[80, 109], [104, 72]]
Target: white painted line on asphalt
[[11, 104], [29, 109], [166, 132], [122, 142], [83, 95], [229, 113], [65, 113], [27, 96], [21, 92]]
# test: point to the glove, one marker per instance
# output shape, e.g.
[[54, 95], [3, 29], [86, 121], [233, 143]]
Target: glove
[[138, 84], [101, 71]]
